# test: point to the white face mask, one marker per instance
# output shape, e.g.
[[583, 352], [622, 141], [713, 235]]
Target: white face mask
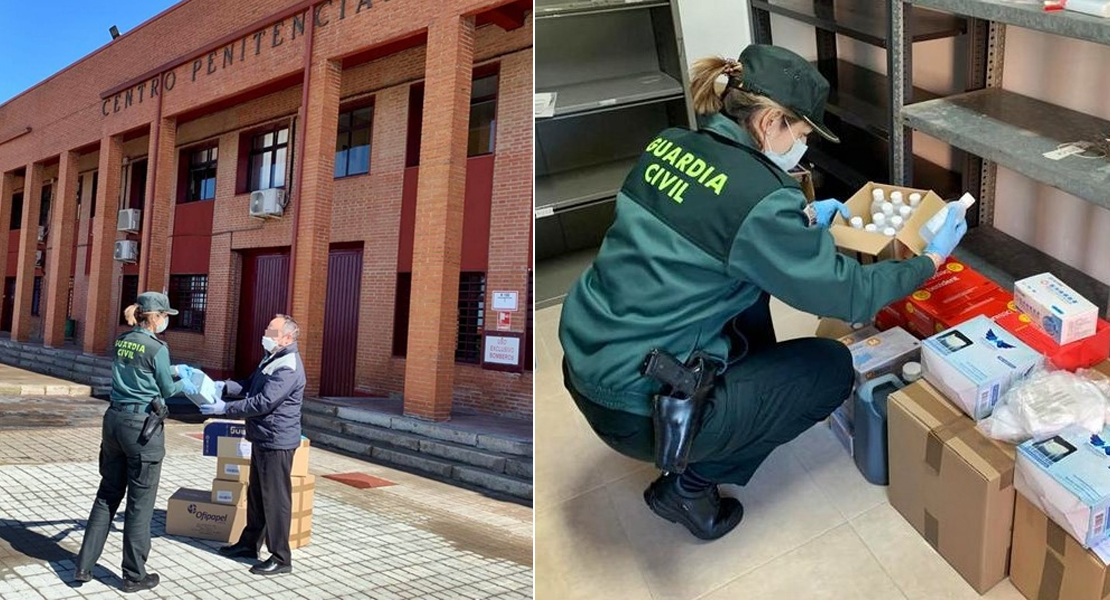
[[270, 344], [791, 157], [162, 326]]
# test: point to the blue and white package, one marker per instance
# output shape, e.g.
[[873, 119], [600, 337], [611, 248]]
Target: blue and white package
[[216, 429], [975, 362], [1067, 477]]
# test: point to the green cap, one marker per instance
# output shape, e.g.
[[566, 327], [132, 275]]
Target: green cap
[[154, 302], [789, 80]]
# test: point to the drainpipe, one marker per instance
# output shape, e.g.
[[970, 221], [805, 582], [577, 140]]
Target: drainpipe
[[148, 209], [300, 157]]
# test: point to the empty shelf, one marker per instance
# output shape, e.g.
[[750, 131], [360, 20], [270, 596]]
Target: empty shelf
[[1015, 131], [860, 97], [1030, 16], [563, 8], [569, 189], [603, 94], [864, 20]]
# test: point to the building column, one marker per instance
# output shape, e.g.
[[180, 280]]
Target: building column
[[28, 245], [313, 201], [7, 189], [161, 178], [63, 225], [433, 320], [99, 318]]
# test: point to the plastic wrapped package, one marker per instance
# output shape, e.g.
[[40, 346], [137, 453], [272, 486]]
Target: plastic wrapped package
[[1047, 403], [206, 389]]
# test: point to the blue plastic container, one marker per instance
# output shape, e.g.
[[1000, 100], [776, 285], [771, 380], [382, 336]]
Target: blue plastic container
[[869, 443]]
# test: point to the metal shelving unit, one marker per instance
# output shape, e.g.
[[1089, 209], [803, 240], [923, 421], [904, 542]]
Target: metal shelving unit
[[617, 69], [861, 100], [1010, 130]]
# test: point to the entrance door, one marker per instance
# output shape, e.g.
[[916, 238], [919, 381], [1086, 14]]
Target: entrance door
[[337, 376], [265, 283], [9, 305]]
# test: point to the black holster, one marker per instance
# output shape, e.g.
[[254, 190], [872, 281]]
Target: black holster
[[677, 410], [154, 420]]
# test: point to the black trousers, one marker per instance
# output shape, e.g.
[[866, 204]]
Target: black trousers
[[270, 503], [770, 393], [129, 469]]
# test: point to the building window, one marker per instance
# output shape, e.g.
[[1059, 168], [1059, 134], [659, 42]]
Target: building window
[[267, 160], [202, 175], [128, 293], [36, 296], [483, 116], [401, 314], [95, 184], [17, 211], [352, 143], [416, 124], [529, 339], [472, 316], [189, 295], [44, 205]]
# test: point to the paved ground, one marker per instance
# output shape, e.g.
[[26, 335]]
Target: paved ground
[[416, 539], [20, 382]]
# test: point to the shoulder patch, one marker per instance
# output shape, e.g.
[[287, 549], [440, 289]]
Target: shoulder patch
[[289, 361]]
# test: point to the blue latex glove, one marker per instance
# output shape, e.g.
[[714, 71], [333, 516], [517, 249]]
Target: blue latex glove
[[218, 408], [220, 385], [189, 386], [950, 234], [827, 209], [183, 371]]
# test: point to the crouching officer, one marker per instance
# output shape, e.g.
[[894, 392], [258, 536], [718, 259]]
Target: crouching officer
[[131, 458], [670, 352]]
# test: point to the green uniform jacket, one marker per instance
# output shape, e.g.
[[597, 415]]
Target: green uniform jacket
[[141, 370], [704, 224]]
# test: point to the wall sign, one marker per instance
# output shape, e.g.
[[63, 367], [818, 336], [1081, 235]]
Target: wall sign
[[506, 301], [501, 351], [504, 321]]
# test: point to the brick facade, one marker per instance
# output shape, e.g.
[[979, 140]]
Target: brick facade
[[362, 54]]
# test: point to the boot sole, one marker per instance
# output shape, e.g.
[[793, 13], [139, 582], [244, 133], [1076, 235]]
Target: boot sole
[[679, 518]]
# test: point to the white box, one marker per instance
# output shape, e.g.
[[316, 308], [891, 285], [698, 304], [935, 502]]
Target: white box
[[1068, 477], [1055, 308], [975, 362], [206, 389], [882, 353]]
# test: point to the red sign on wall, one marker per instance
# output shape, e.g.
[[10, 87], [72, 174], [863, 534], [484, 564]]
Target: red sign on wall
[[504, 321]]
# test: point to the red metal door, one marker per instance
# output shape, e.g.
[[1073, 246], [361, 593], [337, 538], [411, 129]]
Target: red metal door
[[9, 305], [337, 376], [265, 282]]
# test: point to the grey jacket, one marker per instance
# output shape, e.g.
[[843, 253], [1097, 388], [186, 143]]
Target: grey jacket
[[271, 400]]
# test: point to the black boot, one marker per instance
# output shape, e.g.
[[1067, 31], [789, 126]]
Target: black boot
[[146, 583], [705, 514], [239, 551]]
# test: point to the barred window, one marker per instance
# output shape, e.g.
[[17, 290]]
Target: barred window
[[128, 292], [472, 316], [36, 296], [189, 295]]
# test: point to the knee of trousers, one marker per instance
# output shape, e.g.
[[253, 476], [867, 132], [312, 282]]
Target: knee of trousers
[[834, 369]]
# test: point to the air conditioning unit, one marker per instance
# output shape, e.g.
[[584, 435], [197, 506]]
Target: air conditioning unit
[[130, 220], [38, 258], [126, 251], [42, 233], [268, 204]]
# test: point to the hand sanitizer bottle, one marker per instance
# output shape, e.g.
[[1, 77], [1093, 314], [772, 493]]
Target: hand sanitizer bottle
[[877, 199], [857, 222], [896, 199], [933, 225]]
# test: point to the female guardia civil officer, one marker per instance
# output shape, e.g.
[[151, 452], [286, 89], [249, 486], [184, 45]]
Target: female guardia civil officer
[[129, 465], [708, 227]]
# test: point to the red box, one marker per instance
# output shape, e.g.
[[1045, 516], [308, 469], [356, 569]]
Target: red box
[[995, 305], [890, 317], [1076, 355]]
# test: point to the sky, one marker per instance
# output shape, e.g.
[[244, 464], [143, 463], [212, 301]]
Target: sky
[[41, 37]]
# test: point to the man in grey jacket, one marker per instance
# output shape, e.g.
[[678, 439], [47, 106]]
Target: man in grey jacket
[[271, 405]]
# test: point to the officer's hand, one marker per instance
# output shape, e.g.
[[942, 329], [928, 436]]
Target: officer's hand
[[189, 386], [217, 408], [827, 209], [950, 234], [183, 371], [220, 385]]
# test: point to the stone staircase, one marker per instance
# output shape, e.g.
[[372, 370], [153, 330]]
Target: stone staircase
[[64, 363], [496, 463]]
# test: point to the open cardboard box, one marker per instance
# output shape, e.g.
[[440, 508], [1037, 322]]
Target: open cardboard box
[[907, 242]]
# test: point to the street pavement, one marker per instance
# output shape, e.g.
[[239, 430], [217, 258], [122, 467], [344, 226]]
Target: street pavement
[[415, 539]]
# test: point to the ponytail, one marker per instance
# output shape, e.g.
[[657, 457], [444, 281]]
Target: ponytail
[[132, 314], [735, 102]]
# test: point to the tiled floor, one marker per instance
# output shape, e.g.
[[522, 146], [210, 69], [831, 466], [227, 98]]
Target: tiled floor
[[813, 527]]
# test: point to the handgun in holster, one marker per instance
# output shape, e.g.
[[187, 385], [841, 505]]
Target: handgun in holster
[[677, 409], [154, 420]]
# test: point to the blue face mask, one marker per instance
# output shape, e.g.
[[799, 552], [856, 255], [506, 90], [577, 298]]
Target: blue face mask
[[792, 157], [162, 326]]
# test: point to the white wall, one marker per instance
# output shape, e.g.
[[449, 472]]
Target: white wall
[[714, 27]]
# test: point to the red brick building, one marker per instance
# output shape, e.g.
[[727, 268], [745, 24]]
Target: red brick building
[[397, 134]]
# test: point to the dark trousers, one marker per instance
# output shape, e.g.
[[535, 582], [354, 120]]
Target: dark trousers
[[270, 503], [770, 393], [126, 468]]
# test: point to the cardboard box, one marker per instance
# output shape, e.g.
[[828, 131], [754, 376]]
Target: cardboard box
[[908, 242], [846, 333], [1047, 564], [304, 491], [974, 363], [954, 485], [943, 298], [1056, 309], [882, 353], [191, 513], [300, 459], [213, 430], [231, 493], [804, 179], [300, 529], [891, 316], [1068, 478], [1071, 357], [232, 447], [238, 452], [233, 469]]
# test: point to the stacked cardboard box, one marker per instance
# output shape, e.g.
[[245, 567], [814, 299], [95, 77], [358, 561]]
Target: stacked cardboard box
[[221, 513], [1048, 564]]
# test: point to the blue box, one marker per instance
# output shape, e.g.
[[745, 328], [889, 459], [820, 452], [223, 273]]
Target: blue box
[[221, 428]]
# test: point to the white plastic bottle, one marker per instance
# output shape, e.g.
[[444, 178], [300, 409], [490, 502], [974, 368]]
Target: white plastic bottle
[[879, 219], [911, 372], [896, 222], [905, 212], [915, 199], [896, 199], [877, 199], [857, 222], [889, 232], [871, 228], [932, 226]]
